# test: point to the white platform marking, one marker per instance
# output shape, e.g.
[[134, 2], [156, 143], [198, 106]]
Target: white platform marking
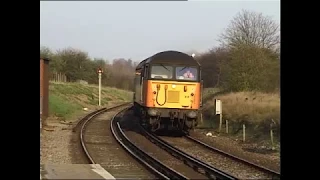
[[102, 172]]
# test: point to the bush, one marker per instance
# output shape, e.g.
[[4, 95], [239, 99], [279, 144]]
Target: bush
[[255, 109]]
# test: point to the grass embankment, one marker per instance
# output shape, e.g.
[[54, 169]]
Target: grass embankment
[[257, 110], [69, 99]]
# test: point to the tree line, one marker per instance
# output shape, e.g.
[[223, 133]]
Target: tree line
[[247, 59], [77, 65]]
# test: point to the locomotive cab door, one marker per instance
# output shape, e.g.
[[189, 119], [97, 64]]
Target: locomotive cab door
[[144, 84], [137, 87], [201, 87], [201, 92]]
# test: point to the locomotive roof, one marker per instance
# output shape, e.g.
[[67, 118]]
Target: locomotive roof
[[170, 57]]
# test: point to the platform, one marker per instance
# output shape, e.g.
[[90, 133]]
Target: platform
[[73, 171]]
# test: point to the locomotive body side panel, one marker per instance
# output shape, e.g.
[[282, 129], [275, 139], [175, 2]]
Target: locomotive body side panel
[[141, 86], [144, 92], [137, 88]]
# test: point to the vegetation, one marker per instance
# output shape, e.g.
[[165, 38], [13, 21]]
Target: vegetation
[[68, 99], [255, 109], [244, 72], [248, 58], [77, 65]]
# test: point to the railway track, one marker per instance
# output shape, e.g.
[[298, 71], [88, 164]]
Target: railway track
[[78, 149], [196, 164], [156, 167], [159, 169], [192, 167], [274, 174], [239, 168], [99, 146], [85, 121]]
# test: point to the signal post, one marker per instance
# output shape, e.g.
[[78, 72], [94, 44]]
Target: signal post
[[100, 71]]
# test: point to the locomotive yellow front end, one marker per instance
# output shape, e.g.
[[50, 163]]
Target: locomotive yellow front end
[[173, 95], [168, 91], [173, 104], [176, 103]]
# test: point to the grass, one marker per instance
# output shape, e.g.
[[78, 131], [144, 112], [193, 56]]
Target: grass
[[250, 107], [209, 93], [254, 109], [60, 108], [68, 99]]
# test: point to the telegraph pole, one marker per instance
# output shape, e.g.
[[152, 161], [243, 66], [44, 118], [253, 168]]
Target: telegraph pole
[[100, 74]]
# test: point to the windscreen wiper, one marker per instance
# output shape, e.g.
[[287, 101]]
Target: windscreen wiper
[[183, 69], [165, 67]]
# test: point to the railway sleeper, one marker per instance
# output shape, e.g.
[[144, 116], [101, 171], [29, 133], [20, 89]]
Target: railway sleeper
[[207, 169], [155, 165]]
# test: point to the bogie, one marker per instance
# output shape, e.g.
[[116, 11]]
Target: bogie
[[156, 123]]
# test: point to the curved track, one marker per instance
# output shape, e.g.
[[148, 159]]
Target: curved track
[[98, 145], [198, 165], [85, 121], [154, 165], [158, 168], [232, 166], [274, 174]]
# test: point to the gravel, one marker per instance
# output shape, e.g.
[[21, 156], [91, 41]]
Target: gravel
[[54, 145], [56, 141], [58, 145], [216, 160], [106, 151], [132, 132], [237, 148]]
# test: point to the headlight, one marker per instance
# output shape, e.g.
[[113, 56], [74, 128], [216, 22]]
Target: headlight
[[192, 114], [152, 112]]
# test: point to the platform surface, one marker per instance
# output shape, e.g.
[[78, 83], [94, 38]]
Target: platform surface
[[73, 171]]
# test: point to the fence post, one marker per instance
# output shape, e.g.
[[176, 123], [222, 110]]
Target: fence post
[[271, 133], [227, 127], [58, 77], [244, 132]]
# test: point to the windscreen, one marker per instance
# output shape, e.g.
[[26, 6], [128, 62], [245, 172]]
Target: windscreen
[[187, 73], [161, 72]]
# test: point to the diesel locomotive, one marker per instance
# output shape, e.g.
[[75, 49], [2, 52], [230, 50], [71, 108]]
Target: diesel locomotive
[[168, 91]]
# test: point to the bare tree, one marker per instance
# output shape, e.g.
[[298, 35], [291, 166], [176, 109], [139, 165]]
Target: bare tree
[[252, 28]]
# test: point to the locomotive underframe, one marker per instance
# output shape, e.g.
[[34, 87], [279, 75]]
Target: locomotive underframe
[[167, 118]]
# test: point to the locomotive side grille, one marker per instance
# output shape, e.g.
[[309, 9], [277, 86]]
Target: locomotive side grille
[[173, 96]]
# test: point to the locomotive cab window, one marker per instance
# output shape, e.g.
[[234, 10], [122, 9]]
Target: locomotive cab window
[[161, 72], [187, 73]]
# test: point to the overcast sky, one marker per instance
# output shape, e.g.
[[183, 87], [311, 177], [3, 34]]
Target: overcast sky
[[138, 29]]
